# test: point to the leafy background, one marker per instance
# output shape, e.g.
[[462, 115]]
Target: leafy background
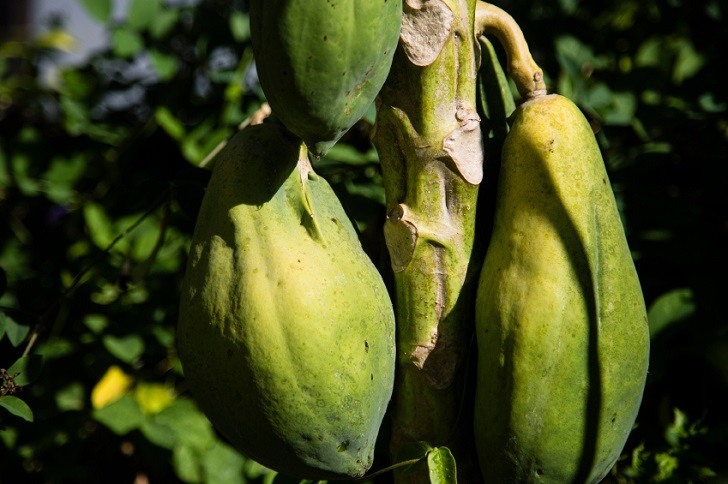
[[100, 184]]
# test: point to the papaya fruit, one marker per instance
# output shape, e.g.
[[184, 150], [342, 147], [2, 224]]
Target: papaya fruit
[[321, 63], [286, 330], [561, 326]]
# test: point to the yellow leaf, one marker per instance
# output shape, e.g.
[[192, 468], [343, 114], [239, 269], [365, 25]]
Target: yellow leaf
[[153, 397], [112, 386], [57, 39]]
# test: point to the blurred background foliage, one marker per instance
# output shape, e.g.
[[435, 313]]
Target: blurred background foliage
[[100, 185]]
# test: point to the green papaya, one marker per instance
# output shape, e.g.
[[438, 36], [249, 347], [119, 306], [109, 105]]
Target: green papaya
[[561, 326], [286, 330], [321, 63]]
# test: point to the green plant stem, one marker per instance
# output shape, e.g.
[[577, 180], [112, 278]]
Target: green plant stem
[[524, 71], [429, 142]]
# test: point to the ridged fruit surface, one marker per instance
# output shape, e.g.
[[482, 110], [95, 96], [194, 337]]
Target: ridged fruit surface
[[563, 343], [321, 63], [286, 330]]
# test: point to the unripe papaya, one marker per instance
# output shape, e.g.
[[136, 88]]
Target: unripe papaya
[[286, 330], [563, 342], [321, 63]]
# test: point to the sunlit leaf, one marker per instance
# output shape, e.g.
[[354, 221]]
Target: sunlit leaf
[[153, 397], [164, 22], [158, 434], [57, 39], [169, 123], [239, 26], [112, 386], [221, 463], [187, 465], [143, 13], [126, 43], [98, 9], [689, 61], [165, 65], [17, 407], [99, 225]]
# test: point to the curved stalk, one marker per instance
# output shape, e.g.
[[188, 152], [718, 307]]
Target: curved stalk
[[524, 71]]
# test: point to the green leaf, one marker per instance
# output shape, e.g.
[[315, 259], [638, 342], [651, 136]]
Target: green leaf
[[54, 349], [441, 465], [688, 61], [28, 369], [126, 43], [164, 22], [127, 348], [189, 424], [164, 64], [349, 155], [15, 331], [222, 464], [99, 226], [669, 309], [62, 176], [159, 434], [97, 323], [71, 397], [122, 416], [142, 13], [187, 464], [240, 26], [495, 99], [17, 407], [98, 9], [8, 436], [169, 123]]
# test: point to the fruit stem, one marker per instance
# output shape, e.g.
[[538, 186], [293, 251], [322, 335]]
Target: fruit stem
[[524, 71]]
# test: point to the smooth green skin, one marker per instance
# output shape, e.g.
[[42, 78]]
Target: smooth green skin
[[321, 63], [563, 342], [286, 330]]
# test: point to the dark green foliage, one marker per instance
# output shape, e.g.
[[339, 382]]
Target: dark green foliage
[[99, 190]]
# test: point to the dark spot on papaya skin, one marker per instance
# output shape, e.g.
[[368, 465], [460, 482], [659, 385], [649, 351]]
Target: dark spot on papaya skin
[[366, 346], [343, 446], [326, 38], [371, 375]]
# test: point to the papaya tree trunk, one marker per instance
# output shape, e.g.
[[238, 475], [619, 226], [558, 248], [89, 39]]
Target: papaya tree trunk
[[430, 146]]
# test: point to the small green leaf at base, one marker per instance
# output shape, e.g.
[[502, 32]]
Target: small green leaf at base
[[442, 467]]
